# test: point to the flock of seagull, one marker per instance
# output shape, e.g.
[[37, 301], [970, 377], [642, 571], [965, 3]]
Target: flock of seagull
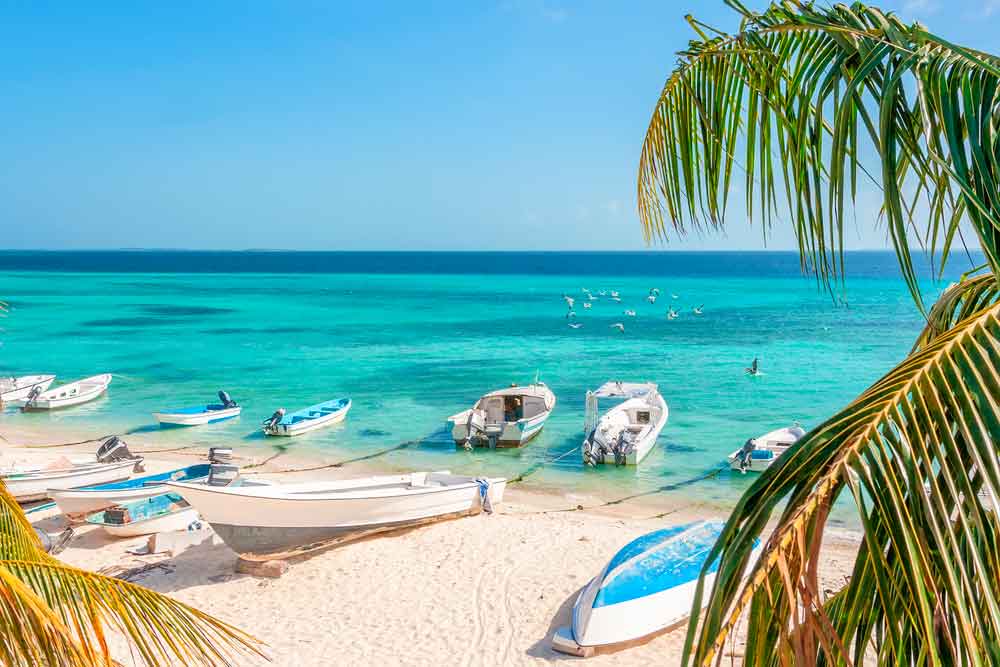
[[589, 297]]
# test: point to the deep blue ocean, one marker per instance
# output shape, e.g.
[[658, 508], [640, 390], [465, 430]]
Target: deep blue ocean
[[413, 337]]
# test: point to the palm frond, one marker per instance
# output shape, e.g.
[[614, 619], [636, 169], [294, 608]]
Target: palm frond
[[917, 455], [79, 604], [796, 99], [958, 302]]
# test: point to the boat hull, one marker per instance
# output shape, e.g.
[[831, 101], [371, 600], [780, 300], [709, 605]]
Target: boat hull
[[514, 434], [196, 418], [25, 385], [36, 485], [299, 517], [167, 523], [77, 503], [644, 446], [68, 395], [289, 429]]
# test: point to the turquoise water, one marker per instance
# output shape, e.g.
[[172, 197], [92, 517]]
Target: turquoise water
[[412, 348]]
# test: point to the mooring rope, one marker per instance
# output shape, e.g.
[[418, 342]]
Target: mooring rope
[[531, 470], [338, 464]]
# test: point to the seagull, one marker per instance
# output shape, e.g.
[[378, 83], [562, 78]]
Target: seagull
[[619, 326], [591, 297], [629, 313], [614, 294], [698, 310], [651, 298], [569, 301], [674, 296], [616, 298], [586, 304], [575, 325], [671, 314], [603, 292], [570, 314], [654, 291], [754, 368]]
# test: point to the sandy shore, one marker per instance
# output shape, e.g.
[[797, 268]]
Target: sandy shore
[[484, 590]]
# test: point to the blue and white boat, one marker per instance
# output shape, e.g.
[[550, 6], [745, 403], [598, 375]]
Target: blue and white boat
[[162, 513], [200, 414], [758, 454], [77, 503], [505, 418], [647, 587], [307, 419]]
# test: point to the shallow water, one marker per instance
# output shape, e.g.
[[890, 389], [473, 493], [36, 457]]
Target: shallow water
[[422, 335]]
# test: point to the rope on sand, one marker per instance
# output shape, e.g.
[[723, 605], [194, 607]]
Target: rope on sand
[[67, 444]]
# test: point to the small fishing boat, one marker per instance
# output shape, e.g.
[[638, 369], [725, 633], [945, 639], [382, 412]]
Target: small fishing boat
[[63, 396], [307, 419], [17, 388], [647, 587], [163, 513], [626, 433], [758, 454], [78, 502], [296, 518], [27, 484], [200, 414], [505, 418]]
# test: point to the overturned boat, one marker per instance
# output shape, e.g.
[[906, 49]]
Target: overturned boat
[[505, 418], [198, 415], [647, 587], [286, 519], [758, 454], [626, 433]]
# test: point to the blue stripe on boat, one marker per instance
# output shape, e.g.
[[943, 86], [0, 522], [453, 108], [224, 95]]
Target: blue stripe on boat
[[178, 475], [196, 410], [657, 562], [314, 411]]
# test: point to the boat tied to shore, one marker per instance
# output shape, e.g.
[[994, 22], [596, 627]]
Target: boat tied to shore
[[198, 415], [758, 454], [626, 433], [327, 413], [504, 418]]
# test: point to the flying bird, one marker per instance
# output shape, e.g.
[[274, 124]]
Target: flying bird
[[575, 325], [619, 326]]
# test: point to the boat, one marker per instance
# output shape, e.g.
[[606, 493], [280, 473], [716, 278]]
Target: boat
[[17, 388], [27, 484], [63, 396], [646, 588], [307, 419], [504, 418], [626, 433], [79, 502], [166, 512], [200, 414], [282, 519], [757, 454]]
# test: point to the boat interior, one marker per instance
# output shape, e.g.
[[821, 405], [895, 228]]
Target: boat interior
[[635, 417], [511, 407], [315, 412]]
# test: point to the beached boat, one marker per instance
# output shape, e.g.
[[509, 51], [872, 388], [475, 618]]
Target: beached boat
[[505, 418], [307, 419], [200, 414], [626, 433], [17, 388], [27, 484], [646, 588], [63, 396], [78, 502], [294, 518], [163, 513], [758, 454]]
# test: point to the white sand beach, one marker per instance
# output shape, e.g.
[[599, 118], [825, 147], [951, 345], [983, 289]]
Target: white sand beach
[[482, 590]]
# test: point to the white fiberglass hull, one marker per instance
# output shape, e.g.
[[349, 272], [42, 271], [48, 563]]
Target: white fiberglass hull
[[643, 445], [18, 388], [71, 394], [196, 419], [307, 425], [35, 485], [512, 434], [287, 517]]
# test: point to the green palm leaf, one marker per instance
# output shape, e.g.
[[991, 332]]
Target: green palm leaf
[[52, 610], [914, 451]]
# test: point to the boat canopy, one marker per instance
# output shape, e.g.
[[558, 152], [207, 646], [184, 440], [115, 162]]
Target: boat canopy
[[624, 389]]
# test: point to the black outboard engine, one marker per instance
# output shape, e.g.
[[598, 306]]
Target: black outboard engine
[[746, 454], [227, 402], [31, 398], [271, 422], [114, 449]]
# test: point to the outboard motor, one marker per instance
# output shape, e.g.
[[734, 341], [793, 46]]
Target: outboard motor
[[746, 454], [31, 398], [271, 422], [227, 402], [114, 449], [220, 454]]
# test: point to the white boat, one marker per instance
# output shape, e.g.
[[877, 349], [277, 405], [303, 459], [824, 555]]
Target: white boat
[[78, 502], [757, 454], [200, 414], [17, 388], [505, 418], [72, 393], [307, 419], [27, 484], [626, 433], [166, 512], [647, 587], [293, 518]]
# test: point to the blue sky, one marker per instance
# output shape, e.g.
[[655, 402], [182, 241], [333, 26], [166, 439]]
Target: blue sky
[[463, 125]]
